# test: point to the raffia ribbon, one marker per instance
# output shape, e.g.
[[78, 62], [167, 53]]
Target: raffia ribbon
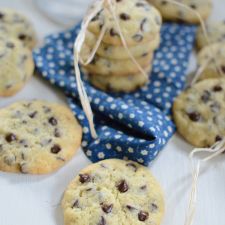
[[106, 5], [214, 151], [218, 147], [202, 24]]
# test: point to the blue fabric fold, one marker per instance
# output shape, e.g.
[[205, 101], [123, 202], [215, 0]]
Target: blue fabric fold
[[133, 126]]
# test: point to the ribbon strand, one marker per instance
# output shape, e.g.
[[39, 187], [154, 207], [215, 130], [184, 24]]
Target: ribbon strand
[[97, 7], [202, 24], [214, 151]]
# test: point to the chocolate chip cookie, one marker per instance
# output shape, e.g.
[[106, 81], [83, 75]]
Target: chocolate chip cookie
[[113, 192], [14, 24], [139, 22], [119, 52], [116, 83], [37, 137], [16, 66], [199, 112], [215, 32], [212, 58], [174, 12], [105, 67]]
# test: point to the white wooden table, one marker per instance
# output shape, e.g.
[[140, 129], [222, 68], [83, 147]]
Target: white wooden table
[[33, 200]]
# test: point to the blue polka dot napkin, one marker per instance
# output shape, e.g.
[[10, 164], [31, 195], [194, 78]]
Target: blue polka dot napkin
[[133, 126]]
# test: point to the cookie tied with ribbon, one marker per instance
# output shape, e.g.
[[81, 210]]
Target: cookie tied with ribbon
[[134, 125], [118, 62]]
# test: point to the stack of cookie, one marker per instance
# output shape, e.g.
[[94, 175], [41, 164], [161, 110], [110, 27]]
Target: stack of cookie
[[112, 68], [17, 38]]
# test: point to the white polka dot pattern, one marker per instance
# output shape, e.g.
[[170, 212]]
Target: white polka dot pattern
[[133, 126]]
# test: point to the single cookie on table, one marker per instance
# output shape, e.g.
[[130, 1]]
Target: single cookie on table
[[215, 33], [175, 12], [16, 65], [37, 137], [212, 58], [199, 112], [106, 67], [119, 52], [139, 22], [116, 83], [16, 25], [113, 192]]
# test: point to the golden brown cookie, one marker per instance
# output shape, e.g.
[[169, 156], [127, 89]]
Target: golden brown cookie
[[37, 137], [199, 112], [113, 192]]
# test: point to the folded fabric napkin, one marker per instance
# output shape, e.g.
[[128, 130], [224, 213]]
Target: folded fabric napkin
[[133, 126]]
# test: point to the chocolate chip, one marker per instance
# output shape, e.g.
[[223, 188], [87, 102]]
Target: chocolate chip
[[217, 88], [144, 54], [206, 96], [138, 37], [28, 105], [22, 37], [223, 67], [144, 187], [132, 165], [45, 142], [53, 121], [193, 6], [131, 208], [57, 133], [10, 137], [218, 138], [1, 15], [89, 189], [24, 143], [75, 204], [102, 221], [61, 159], [84, 178], [164, 2], [140, 4], [103, 165], [22, 156], [142, 26], [142, 215], [55, 149], [107, 208], [124, 16], [46, 109], [33, 114], [8, 86], [194, 116], [113, 32], [123, 186], [10, 45], [154, 207]]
